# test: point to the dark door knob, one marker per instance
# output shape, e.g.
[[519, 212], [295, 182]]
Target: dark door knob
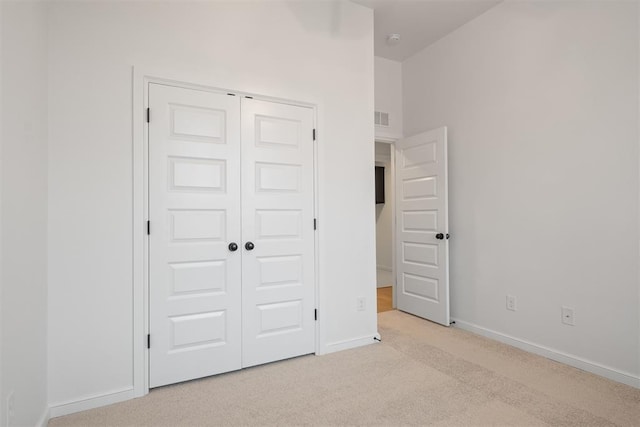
[[249, 246], [439, 236], [233, 246]]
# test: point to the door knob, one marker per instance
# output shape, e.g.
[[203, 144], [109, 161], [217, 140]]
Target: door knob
[[249, 246], [233, 246], [439, 236]]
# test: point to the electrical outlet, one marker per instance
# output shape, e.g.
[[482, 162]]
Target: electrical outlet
[[11, 409], [511, 303], [567, 316], [362, 304]]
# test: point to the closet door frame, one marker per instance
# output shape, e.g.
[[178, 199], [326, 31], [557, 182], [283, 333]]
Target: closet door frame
[[142, 78]]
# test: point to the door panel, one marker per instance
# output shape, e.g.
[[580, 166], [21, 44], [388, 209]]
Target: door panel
[[422, 212], [194, 209], [277, 203], [213, 310]]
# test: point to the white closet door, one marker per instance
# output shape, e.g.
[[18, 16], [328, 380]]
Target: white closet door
[[422, 226], [194, 209], [278, 290]]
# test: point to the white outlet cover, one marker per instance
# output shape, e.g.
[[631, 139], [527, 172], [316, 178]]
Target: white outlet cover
[[568, 317]]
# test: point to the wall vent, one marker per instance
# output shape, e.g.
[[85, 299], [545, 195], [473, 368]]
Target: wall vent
[[381, 118]]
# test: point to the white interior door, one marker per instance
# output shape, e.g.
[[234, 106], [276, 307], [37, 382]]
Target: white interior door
[[422, 247], [194, 212], [278, 290]]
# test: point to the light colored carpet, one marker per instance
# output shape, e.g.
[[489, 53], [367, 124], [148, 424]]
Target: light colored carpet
[[421, 374]]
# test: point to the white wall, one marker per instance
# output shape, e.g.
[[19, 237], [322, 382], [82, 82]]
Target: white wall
[[2, 44], [23, 211], [319, 52], [384, 243], [388, 96], [541, 101]]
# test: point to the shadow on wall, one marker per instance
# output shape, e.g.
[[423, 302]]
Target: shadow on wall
[[308, 13]]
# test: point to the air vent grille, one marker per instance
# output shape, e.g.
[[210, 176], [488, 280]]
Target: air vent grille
[[382, 118]]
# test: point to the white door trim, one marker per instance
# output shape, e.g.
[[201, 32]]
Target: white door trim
[[392, 197], [141, 79]]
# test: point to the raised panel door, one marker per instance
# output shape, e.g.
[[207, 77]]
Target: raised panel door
[[194, 209], [422, 248], [278, 290]]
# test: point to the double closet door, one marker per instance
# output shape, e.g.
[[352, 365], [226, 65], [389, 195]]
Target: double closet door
[[231, 242]]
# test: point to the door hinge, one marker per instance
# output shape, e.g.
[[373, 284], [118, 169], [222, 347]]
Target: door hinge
[[314, 134], [248, 97], [148, 115], [315, 224], [148, 227], [148, 340], [315, 314], [231, 94]]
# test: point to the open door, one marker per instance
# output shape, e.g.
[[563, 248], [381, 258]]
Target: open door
[[422, 228]]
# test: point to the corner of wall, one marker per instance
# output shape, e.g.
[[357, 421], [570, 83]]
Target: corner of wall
[[2, 391], [498, 152], [638, 176], [23, 211], [388, 97]]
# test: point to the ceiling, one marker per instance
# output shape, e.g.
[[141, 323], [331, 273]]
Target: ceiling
[[419, 22]]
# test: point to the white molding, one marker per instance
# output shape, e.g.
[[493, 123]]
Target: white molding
[[44, 418], [91, 402], [384, 277], [392, 198], [139, 242], [638, 165], [387, 139], [318, 152], [350, 343], [3, 415], [382, 135], [568, 359]]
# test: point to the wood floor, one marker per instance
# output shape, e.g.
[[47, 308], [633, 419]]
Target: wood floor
[[385, 299]]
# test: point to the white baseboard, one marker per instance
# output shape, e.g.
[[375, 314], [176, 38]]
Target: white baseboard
[[351, 343], [44, 418], [91, 402], [384, 276], [577, 362]]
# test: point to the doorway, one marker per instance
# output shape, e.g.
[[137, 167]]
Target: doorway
[[412, 228], [385, 277], [231, 232]]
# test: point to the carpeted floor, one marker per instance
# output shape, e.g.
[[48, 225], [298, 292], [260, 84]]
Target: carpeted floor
[[421, 374]]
